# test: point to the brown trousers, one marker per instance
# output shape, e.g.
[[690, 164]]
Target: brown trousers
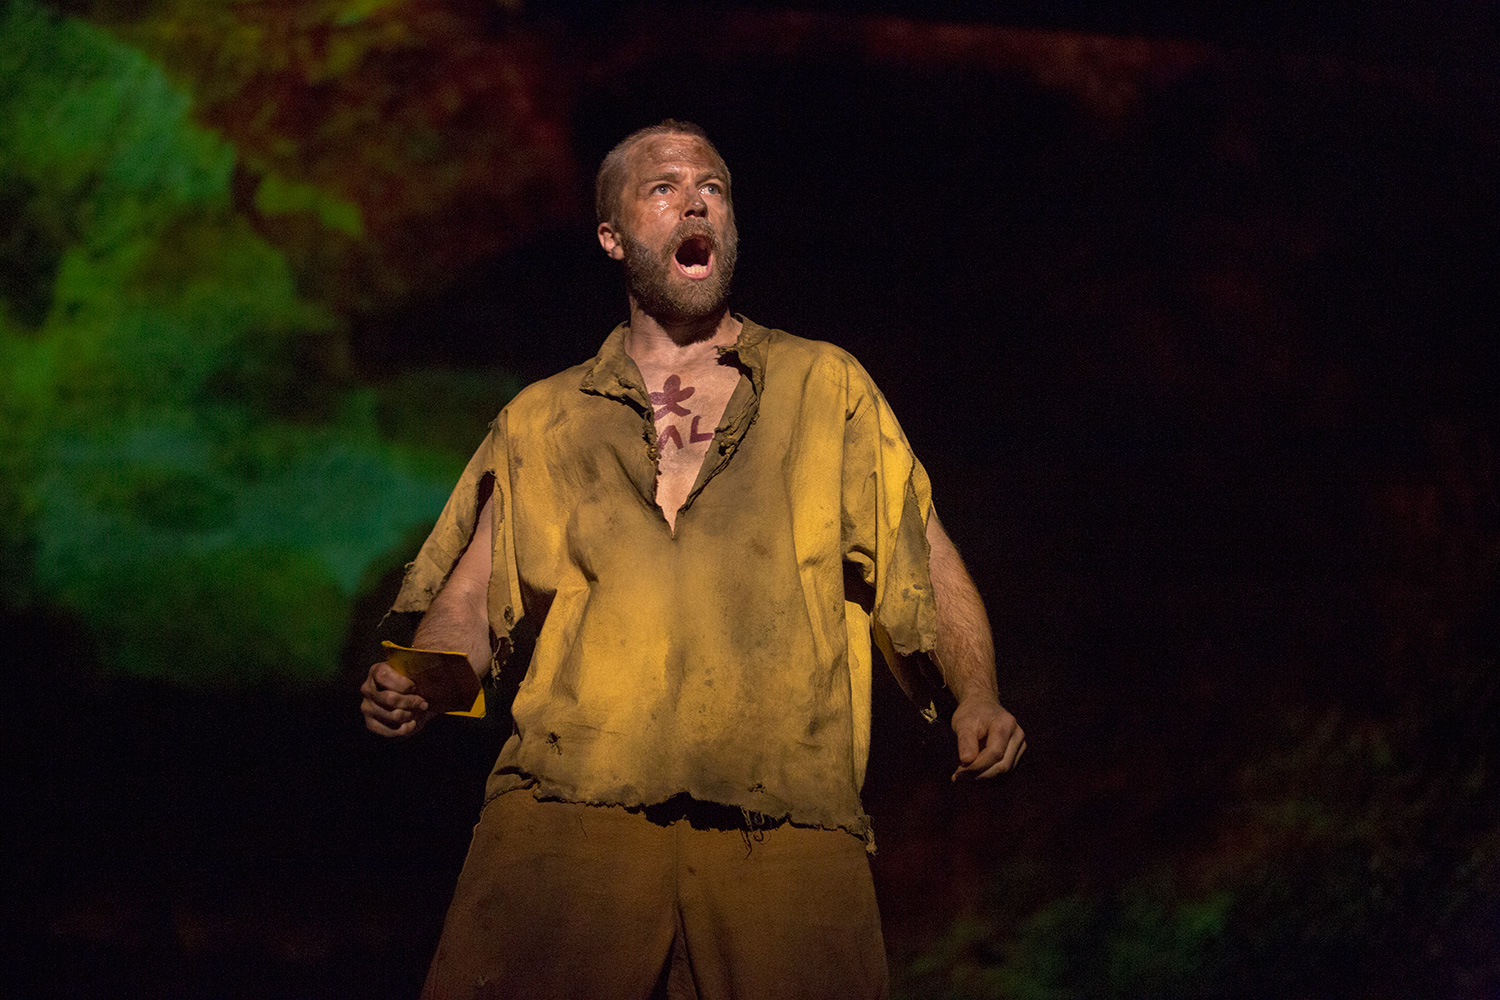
[[562, 901]]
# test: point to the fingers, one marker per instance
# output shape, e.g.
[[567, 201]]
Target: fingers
[[968, 746], [387, 676], [407, 728], [1000, 742], [387, 709], [970, 755], [1013, 750], [387, 722]]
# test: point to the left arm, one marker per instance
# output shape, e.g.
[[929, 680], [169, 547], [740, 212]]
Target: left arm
[[989, 740]]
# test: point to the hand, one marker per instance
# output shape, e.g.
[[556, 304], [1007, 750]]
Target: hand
[[989, 740], [387, 707]]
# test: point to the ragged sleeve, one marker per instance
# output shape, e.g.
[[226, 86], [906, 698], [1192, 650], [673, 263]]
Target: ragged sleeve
[[886, 503], [486, 477]]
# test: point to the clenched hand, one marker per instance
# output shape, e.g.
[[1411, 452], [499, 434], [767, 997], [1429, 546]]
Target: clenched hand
[[989, 739], [388, 708]]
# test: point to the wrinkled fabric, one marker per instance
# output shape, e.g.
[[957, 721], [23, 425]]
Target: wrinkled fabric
[[730, 660], [563, 901]]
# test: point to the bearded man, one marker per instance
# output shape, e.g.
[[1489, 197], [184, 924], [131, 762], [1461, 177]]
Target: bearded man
[[710, 521]]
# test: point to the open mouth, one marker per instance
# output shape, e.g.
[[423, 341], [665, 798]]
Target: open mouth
[[694, 256]]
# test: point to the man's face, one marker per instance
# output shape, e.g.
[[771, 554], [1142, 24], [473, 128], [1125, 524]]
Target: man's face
[[675, 232]]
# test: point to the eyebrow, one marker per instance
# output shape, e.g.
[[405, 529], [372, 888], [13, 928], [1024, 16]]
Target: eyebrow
[[673, 175]]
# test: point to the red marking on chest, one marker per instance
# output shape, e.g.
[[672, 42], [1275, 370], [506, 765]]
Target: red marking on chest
[[671, 435], [672, 393]]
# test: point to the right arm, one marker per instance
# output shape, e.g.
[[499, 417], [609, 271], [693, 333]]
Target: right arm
[[457, 620]]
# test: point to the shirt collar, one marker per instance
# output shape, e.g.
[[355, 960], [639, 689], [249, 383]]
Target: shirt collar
[[614, 373], [749, 349]]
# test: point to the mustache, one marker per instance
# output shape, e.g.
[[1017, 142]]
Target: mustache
[[690, 229]]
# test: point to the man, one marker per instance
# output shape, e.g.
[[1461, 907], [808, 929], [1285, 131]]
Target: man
[[708, 520]]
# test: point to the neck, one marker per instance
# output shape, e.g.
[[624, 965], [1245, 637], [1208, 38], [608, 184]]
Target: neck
[[650, 336]]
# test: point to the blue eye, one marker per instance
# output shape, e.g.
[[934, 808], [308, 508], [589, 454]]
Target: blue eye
[[661, 189]]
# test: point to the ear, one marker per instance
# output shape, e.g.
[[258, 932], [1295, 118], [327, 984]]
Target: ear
[[610, 240]]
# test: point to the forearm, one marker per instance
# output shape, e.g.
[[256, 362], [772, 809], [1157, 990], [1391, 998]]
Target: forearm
[[989, 740], [965, 651], [453, 624], [458, 619]]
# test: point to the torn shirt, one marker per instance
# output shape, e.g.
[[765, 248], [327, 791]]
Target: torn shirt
[[731, 660]]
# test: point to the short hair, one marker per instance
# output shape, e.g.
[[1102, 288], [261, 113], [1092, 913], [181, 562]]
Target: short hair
[[611, 177]]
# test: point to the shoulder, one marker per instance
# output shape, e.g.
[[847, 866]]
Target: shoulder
[[790, 355], [544, 397], [562, 386], [790, 348]]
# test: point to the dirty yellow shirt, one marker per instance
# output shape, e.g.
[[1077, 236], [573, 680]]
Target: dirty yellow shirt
[[730, 661]]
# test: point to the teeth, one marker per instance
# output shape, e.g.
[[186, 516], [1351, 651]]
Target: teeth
[[694, 270]]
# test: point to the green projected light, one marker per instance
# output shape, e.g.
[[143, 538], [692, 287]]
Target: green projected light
[[187, 464]]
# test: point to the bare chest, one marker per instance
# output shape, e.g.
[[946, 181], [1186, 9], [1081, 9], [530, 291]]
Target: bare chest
[[687, 406]]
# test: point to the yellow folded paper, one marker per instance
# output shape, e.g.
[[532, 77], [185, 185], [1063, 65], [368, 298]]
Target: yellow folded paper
[[445, 680]]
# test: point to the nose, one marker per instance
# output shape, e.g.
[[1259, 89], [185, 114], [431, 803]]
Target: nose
[[696, 206]]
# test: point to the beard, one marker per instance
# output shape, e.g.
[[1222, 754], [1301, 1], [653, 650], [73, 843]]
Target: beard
[[662, 293]]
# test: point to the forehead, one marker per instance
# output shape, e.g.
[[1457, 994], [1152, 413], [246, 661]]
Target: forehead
[[655, 153]]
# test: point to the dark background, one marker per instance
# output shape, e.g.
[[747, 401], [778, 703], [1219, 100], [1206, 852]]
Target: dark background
[[1190, 316]]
